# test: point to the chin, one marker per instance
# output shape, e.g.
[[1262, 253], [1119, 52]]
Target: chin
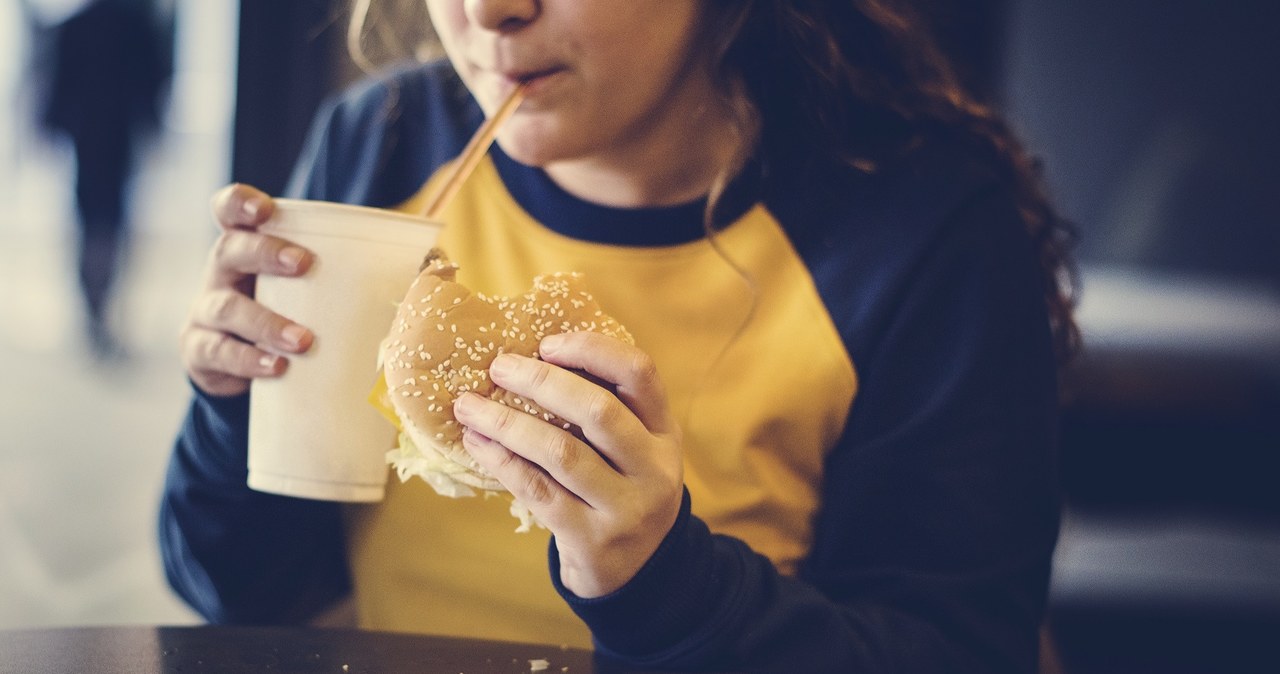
[[521, 154], [533, 147]]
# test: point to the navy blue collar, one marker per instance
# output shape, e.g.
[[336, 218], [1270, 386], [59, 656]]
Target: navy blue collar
[[570, 216]]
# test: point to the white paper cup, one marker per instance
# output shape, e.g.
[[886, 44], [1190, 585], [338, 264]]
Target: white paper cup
[[312, 431]]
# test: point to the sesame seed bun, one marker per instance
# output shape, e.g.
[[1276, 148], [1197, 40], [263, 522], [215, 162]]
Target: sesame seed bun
[[441, 345]]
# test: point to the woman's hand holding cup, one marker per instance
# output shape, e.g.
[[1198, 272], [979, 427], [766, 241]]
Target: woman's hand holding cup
[[229, 338]]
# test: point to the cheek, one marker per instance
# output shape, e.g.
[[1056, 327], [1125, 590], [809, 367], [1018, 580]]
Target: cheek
[[446, 15], [638, 69], [449, 22]]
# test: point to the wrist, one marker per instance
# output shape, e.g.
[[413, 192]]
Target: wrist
[[670, 596], [600, 567], [589, 575]]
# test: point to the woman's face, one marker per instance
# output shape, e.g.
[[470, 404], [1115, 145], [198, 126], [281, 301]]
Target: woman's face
[[603, 77]]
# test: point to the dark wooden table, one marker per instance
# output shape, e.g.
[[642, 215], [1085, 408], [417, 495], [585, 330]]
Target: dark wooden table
[[151, 650]]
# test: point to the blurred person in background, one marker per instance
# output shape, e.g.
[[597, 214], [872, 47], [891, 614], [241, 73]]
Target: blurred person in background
[[102, 72]]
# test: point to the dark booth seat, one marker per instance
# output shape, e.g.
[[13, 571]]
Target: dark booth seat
[[1170, 555]]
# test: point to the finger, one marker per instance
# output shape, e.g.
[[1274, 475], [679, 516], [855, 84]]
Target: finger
[[221, 365], [238, 255], [568, 461], [243, 206], [233, 313], [605, 421], [631, 370], [551, 502]]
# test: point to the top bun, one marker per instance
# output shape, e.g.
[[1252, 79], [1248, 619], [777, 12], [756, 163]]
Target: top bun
[[440, 346]]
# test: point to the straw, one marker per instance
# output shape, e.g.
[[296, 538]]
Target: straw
[[472, 153]]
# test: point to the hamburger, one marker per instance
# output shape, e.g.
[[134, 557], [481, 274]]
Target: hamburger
[[440, 345]]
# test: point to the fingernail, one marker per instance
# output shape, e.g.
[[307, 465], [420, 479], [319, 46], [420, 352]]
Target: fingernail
[[294, 334], [268, 362], [291, 256], [502, 365], [551, 343], [251, 207]]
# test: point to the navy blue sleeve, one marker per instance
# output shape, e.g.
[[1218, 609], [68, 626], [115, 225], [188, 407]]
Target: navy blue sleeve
[[940, 510], [238, 556]]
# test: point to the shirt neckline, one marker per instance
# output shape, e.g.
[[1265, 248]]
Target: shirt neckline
[[570, 216]]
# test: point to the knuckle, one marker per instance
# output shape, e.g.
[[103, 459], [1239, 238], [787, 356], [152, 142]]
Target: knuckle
[[257, 246], [504, 419], [235, 358], [206, 348], [218, 349], [191, 339], [223, 247], [220, 307], [509, 462], [601, 408], [562, 452], [264, 325], [239, 251], [538, 374], [537, 488], [642, 367]]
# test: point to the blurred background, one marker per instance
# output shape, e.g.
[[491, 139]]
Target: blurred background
[[1155, 121]]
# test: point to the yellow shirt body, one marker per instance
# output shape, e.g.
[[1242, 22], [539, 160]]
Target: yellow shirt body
[[755, 371]]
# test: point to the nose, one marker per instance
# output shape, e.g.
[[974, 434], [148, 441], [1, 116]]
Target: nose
[[501, 15]]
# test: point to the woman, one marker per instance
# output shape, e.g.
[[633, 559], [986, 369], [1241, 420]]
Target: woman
[[831, 448]]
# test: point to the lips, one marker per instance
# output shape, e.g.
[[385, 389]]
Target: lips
[[531, 77], [507, 73], [533, 82]]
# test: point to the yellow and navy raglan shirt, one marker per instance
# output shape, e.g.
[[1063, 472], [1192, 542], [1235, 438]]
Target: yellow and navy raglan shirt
[[861, 367]]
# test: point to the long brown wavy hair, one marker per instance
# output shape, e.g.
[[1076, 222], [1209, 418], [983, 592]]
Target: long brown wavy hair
[[858, 82]]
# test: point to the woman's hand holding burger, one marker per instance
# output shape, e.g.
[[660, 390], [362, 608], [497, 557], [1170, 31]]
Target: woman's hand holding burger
[[228, 338], [609, 501]]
